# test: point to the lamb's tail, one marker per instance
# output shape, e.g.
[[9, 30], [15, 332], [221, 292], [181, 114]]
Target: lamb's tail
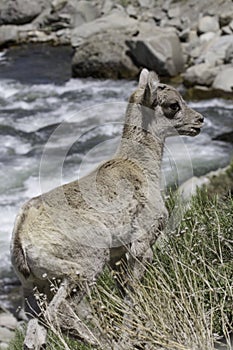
[[18, 255]]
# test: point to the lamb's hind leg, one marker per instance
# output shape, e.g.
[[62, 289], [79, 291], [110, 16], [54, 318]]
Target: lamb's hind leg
[[36, 332], [58, 311]]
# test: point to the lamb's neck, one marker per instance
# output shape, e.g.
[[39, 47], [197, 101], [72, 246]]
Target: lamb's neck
[[139, 143]]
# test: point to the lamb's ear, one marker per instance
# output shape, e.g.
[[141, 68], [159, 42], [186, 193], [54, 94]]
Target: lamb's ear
[[153, 81], [143, 79], [150, 91]]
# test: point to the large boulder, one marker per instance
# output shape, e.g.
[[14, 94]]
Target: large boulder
[[200, 74], [20, 11], [103, 56], [157, 49], [224, 79], [101, 49], [216, 51]]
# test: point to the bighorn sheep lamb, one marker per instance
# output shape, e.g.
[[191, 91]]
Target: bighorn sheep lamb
[[72, 232]]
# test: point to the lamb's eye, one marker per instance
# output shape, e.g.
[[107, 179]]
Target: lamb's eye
[[175, 106]]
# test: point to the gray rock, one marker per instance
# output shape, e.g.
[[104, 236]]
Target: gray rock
[[101, 51], [193, 36], [208, 24], [103, 56], [107, 7], [57, 5], [224, 79], [82, 12], [132, 11], [215, 52], [175, 22], [226, 30], [166, 5], [146, 3], [20, 11], [158, 14], [229, 54], [207, 37], [7, 320], [8, 34], [157, 49], [35, 337], [117, 22], [184, 35], [174, 12], [6, 335], [201, 74], [225, 17], [231, 25], [226, 137]]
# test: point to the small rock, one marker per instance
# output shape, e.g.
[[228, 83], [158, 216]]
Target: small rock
[[208, 24], [8, 34], [6, 335], [195, 52], [107, 7], [8, 320], [229, 54], [226, 137], [84, 12], [193, 35], [225, 18], [158, 15], [224, 80], [146, 3], [174, 12], [184, 35], [207, 37], [166, 5], [57, 5], [226, 30], [231, 25], [175, 22], [132, 11]]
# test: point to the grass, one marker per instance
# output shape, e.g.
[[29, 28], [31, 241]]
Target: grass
[[185, 300]]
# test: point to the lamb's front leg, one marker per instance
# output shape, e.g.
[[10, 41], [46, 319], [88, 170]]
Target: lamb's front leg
[[140, 254]]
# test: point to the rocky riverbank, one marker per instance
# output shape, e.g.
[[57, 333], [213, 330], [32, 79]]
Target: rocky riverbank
[[114, 39]]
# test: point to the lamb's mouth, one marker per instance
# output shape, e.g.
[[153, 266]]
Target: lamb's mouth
[[194, 131]]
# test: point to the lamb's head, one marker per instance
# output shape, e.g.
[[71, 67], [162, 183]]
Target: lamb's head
[[163, 109]]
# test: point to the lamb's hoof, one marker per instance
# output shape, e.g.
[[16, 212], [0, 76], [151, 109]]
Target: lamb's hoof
[[35, 337]]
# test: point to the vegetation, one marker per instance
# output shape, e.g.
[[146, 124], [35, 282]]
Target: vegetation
[[185, 301]]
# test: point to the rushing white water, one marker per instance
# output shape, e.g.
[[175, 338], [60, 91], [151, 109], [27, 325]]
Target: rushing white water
[[93, 111]]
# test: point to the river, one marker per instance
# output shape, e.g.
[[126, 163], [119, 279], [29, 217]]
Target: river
[[38, 98]]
